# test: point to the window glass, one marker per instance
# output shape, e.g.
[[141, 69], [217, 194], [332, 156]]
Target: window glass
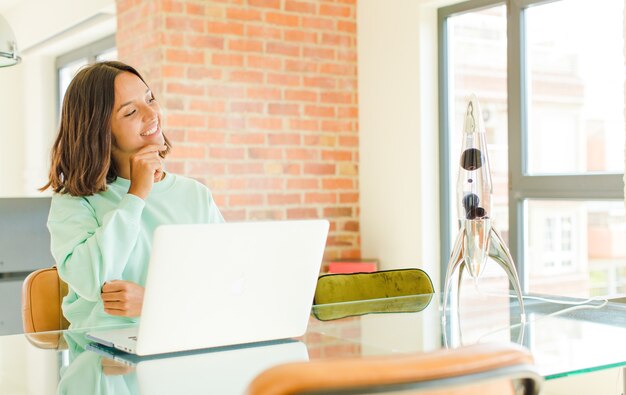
[[477, 62], [575, 247], [575, 87]]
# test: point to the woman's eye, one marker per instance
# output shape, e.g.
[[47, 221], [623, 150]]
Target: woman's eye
[[152, 99], [130, 113]]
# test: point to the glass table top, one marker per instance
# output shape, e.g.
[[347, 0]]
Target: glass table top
[[565, 336]]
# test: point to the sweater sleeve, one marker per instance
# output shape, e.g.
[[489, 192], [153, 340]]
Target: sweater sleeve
[[215, 216], [89, 253]]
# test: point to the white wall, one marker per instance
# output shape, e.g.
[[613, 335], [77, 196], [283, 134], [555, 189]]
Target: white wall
[[44, 30], [398, 129]]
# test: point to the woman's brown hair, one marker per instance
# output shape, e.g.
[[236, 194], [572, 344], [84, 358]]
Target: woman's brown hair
[[81, 161]]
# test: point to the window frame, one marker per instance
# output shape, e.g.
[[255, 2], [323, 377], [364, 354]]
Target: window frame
[[522, 186], [90, 52]]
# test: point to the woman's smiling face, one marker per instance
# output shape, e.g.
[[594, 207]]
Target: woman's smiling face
[[136, 118]]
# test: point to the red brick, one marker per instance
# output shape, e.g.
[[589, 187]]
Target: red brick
[[174, 103], [351, 226], [319, 169], [337, 156], [302, 154], [265, 123], [184, 24], [245, 200], [319, 53], [304, 124], [173, 39], [340, 40], [246, 76], [319, 111], [301, 95], [284, 199], [197, 136], [337, 183], [264, 62], [325, 140], [257, 215], [301, 66], [330, 212], [245, 45], [300, 36], [302, 213], [228, 59], [285, 139], [226, 153], [334, 10], [284, 109], [301, 7], [187, 152], [317, 197], [346, 26], [267, 183], [348, 141], [337, 126], [348, 112], [183, 56], [319, 82], [283, 49], [196, 167], [338, 69], [247, 138], [197, 73], [263, 93], [243, 14], [337, 97], [216, 122], [265, 3], [247, 107], [283, 79], [232, 215], [346, 55], [245, 168], [276, 18], [173, 71], [185, 120], [318, 23], [170, 6], [265, 153], [207, 106], [263, 32], [194, 9], [185, 89], [303, 183], [225, 91], [225, 28], [205, 42]]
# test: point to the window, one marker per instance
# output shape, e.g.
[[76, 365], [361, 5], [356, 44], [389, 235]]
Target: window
[[553, 106], [67, 65]]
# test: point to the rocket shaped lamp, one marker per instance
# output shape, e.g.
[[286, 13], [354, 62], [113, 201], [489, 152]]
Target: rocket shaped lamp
[[477, 239]]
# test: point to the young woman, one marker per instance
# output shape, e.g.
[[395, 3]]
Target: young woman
[[111, 192]]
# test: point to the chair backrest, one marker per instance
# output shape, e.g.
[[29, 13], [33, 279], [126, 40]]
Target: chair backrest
[[485, 369], [42, 295]]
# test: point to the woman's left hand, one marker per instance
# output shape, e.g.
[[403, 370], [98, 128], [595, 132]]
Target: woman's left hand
[[122, 298]]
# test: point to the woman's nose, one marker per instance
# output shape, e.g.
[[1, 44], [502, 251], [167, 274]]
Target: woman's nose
[[149, 113]]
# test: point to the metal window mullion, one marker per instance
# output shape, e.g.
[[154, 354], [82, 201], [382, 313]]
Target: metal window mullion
[[516, 97], [584, 186]]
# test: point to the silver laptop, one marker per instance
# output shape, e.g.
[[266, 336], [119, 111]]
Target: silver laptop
[[225, 284]]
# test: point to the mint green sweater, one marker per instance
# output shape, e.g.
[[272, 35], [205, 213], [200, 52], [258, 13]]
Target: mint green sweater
[[108, 236]]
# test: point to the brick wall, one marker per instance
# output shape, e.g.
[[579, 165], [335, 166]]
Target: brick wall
[[260, 102]]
